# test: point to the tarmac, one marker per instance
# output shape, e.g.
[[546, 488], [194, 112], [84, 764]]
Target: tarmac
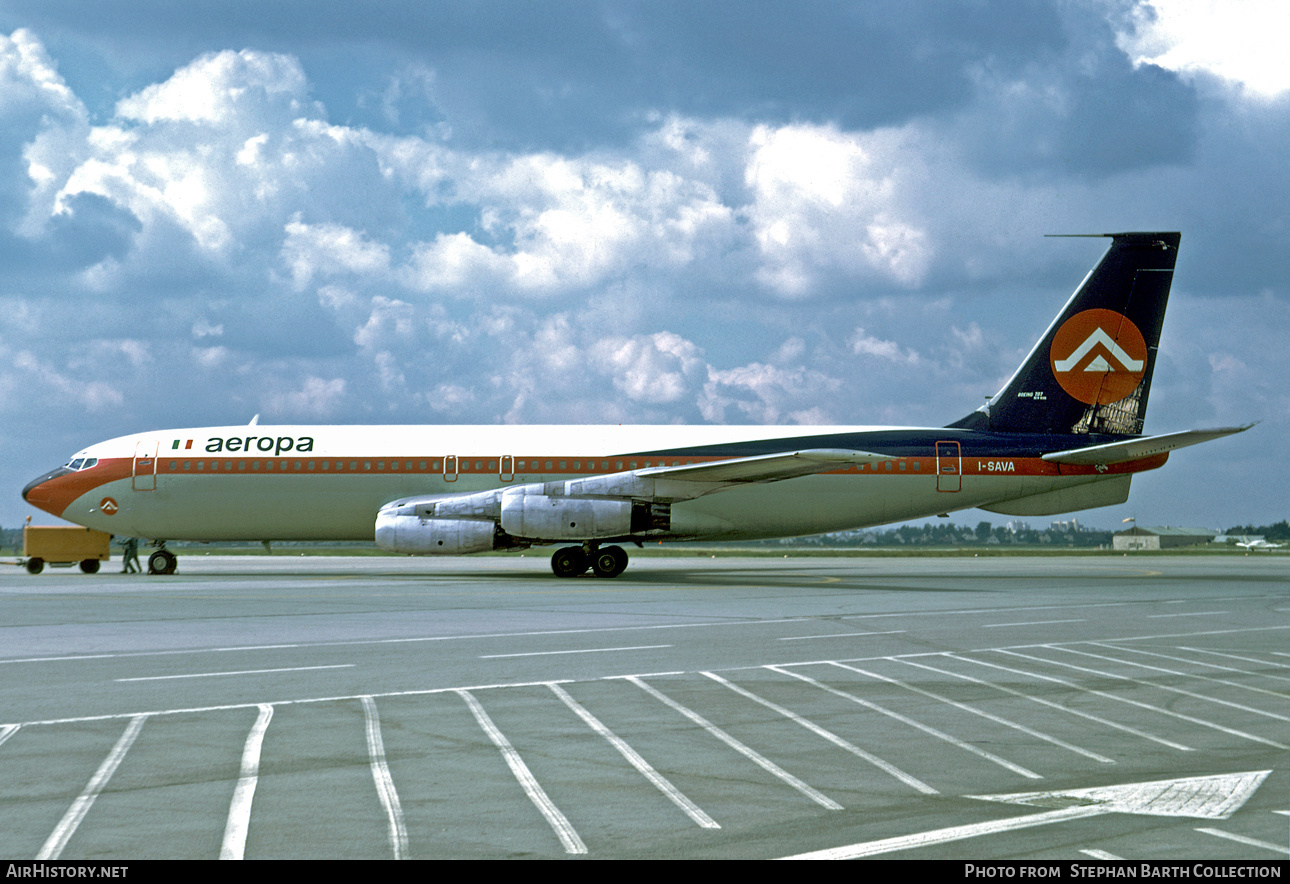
[[1063, 708]]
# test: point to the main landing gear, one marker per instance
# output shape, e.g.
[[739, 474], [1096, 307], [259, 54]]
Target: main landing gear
[[572, 561]]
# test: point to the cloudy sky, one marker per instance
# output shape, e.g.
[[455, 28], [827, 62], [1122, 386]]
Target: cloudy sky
[[327, 211]]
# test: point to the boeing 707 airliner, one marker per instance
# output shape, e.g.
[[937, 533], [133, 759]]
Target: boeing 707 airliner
[[1064, 434]]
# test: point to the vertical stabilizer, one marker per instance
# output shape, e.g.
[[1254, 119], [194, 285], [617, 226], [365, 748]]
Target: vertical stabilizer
[[1091, 370]]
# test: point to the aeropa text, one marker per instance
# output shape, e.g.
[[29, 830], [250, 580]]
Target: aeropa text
[[278, 444]]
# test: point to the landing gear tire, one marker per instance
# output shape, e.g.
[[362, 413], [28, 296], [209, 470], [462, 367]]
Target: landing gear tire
[[163, 561], [35, 565], [609, 562], [90, 566], [569, 561]]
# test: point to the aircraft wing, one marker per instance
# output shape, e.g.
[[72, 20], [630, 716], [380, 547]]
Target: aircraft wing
[[766, 467], [1136, 449]]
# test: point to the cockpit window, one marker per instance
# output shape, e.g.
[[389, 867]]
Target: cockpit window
[[82, 463], [76, 464]]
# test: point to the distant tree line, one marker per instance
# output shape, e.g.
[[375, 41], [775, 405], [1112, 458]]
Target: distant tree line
[[1275, 533], [1058, 534]]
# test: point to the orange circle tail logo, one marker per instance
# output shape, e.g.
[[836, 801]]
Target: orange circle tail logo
[[1098, 356]]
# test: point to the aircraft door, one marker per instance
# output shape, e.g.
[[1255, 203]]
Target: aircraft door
[[949, 466], [143, 473], [506, 470], [450, 468]]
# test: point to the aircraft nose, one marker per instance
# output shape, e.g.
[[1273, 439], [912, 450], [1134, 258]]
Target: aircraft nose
[[35, 494]]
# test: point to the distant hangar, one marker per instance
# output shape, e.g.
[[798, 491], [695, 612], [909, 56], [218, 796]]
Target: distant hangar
[[1137, 538]]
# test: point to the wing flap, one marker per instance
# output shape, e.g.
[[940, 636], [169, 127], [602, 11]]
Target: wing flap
[[1136, 449], [767, 467]]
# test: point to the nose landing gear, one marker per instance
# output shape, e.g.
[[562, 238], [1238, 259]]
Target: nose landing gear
[[162, 561]]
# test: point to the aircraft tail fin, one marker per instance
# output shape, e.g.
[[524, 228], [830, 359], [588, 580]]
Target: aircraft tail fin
[[1091, 370]]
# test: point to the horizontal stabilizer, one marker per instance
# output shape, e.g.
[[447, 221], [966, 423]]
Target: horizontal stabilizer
[[1136, 449], [767, 467]]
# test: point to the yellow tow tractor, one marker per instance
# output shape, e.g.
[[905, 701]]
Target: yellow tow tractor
[[64, 546]]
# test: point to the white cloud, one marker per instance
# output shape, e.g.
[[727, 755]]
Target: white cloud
[[1242, 41], [214, 88], [327, 250], [866, 345], [45, 383], [826, 200], [39, 111], [316, 398], [766, 394], [390, 323], [656, 368]]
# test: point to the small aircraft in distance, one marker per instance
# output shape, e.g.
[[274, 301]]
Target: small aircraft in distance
[[1064, 434], [1258, 543]]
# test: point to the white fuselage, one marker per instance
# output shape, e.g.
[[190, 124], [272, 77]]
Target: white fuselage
[[328, 482]]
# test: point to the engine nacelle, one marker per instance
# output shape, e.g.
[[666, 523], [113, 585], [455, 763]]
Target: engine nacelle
[[416, 536], [564, 518]]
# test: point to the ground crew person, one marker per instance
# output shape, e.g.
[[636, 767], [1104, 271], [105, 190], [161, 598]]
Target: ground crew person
[[130, 562]]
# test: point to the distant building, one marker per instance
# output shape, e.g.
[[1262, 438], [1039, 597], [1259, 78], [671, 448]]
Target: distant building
[[1161, 538]]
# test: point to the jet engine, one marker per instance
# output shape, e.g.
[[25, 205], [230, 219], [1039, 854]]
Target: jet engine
[[413, 535]]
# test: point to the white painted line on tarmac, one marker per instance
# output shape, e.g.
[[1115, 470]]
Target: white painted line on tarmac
[[799, 638], [662, 783], [8, 731], [1029, 623], [1186, 614], [1242, 839], [1040, 700], [1215, 797], [953, 833], [236, 672], [1169, 712], [1170, 657], [906, 778], [239, 809], [1039, 735], [1101, 854], [417, 639], [1076, 687], [384, 782], [574, 651], [1160, 669], [558, 822], [925, 728], [57, 840], [1243, 659], [751, 754]]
